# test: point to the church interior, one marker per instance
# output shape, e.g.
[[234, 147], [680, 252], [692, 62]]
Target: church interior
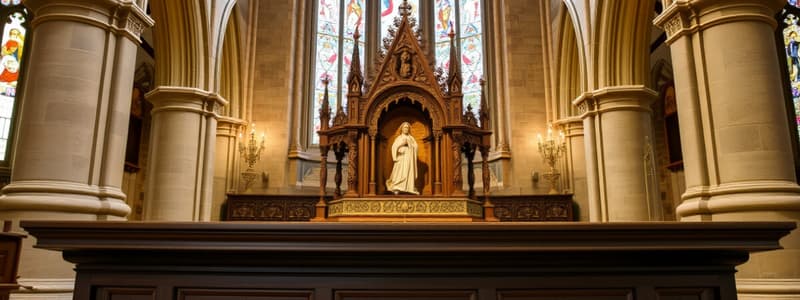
[[373, 112]]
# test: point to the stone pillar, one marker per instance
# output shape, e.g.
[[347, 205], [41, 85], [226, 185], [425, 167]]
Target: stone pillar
[[226, 163], [73, 123], [734, 133], [575, 163], [179, 182], [620, 120]]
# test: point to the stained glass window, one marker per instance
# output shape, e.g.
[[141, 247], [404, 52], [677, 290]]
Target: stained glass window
[[791, 41], [14, 30], [389, 10], [336, 22], [464, 18], [794, 3]]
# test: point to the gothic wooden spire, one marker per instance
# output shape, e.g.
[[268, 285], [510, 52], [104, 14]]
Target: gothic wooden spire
[[325, 109], [355, 79], [484, 111], [454, 79]]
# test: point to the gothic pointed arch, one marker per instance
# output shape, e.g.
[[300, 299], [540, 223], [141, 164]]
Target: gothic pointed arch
[[231, 86], [622, 42], [570, 78], [178, 39]]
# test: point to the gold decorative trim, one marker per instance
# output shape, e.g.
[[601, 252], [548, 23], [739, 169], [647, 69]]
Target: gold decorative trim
[[415, 207]]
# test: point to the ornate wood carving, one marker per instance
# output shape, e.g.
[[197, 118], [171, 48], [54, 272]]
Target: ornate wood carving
[[533, 208], [270, 207], [339, 150], [469, 153], [404, 78]]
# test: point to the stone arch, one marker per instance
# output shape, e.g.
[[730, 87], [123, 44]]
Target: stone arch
[[231, 85], [571, 70], [178, 40], [623, 39]]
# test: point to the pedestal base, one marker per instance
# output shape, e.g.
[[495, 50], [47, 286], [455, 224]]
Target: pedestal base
[[417, 209]]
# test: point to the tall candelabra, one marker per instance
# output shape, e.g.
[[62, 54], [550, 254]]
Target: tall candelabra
[[551, 149], [250, 150]]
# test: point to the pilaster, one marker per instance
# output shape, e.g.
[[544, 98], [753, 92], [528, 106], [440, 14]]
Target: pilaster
[[226, 162], [574, 163]]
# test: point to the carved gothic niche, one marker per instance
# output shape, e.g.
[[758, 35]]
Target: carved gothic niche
[[405, 110]]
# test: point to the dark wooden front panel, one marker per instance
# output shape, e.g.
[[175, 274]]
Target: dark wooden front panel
[[405, 295], [567, 294], [242, 294], [687, 294], [125, 293]]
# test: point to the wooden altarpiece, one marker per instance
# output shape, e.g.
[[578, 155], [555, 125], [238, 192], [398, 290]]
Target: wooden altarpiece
[[406, 88]]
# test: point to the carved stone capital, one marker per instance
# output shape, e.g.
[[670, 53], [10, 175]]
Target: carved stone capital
[[683, 17]]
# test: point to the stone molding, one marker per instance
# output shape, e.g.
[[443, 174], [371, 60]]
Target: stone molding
[[47, 195], [685, 17], [123, 18], [187, 99], [625, 98]]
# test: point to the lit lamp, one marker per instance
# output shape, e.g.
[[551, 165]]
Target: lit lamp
[[551, 149], [250, 150]]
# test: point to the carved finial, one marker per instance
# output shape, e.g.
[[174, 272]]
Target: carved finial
[[325, 109], [454, 79], [405, 9], [355, 79], [484, 112]]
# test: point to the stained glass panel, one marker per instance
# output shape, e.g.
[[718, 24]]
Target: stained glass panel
[[389, 10], [327, 57], [354, 17], [13, 41], [794, 3], [445, 20], [791, 40], [471, 50]]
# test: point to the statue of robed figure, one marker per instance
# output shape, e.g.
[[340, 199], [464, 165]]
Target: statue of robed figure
[[404, 155]]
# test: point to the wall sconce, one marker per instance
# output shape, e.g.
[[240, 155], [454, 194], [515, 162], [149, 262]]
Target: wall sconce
[[250, 150], [551, 149]]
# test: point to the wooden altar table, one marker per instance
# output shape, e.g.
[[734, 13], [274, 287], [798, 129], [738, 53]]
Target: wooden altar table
[[348, 261]]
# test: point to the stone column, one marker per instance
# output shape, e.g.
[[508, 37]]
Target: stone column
[[734, 133], [73, 122], [226, 162], [575, 163], [179, 182], [620, 120]]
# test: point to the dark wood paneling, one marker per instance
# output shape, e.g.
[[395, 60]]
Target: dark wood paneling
[[686, 294], [126, 293], [242, 294], [405, 295], [396, 261], [567, 294]]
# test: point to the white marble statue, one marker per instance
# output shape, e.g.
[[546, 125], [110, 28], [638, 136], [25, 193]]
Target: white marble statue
[[404, 155]]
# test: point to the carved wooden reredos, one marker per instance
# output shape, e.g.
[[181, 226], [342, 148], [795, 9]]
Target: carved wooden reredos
[[406, 86]]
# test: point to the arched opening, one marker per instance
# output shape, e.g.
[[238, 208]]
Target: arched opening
[[389, 123]]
